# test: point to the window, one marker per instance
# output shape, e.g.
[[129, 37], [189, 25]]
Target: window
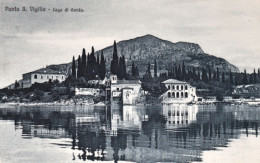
[[173, 87], [181, 87], [61, 77], [117, 89], [177, 95], [173, 94], [169, 94], [169, 87], [186, 94], [186, 87], [181, 94], [35, 76], [177, 87], [41, 77]]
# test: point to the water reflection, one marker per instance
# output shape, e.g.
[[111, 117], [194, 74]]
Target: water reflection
[[169, 133]]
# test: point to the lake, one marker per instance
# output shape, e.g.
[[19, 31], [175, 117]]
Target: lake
[[167, 133]]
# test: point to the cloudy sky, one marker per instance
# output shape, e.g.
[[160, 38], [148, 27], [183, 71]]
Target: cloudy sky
[[29, 40]]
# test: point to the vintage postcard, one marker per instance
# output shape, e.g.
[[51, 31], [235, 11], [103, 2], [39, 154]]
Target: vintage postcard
[[129, 81]]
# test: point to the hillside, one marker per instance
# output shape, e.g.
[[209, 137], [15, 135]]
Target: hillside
[[146, 48]]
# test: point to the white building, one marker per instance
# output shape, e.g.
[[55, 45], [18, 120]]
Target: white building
[[41, 76], [179, 92], [89, 91], [127, 91]]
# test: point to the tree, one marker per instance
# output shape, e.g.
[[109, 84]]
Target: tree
[[79, 67], [133, 69], [255, 79], [209, 74], [179, 73], [93, 64], [136, 71], [194, 75], [219, 96], [114, 62], [16, 85], [102, 70], [98, 64], [245, 81], [73, 67], [148, 68], [230, 77], [223, 77], [84, 64], [198, 76], [214, 75], [251, 79], [204, 75], [218, 79], [88, 71], [184, 74], [155, 69], [120, 69], [124, 67]]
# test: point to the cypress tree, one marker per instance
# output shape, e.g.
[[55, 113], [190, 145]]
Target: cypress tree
[[204, 75], [184, 74], [199, 78], [73, 67], [194, 75], [16, 85], [209, 74], [223, 77], [155, 69], [120, 69], [255, 79], [149, 68], [214, 75], [98, 64], [79, 67], [176, 73], [251, 79], [124, 67], [84, 64], [88, 71], [179, 73], [102, 71], [93, 64], [114, 62], [245, 78], [218, 79], [133, 69], [231, 77], [136, 71]]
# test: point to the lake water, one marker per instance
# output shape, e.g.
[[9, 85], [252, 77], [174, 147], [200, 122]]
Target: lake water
[[168, 133]]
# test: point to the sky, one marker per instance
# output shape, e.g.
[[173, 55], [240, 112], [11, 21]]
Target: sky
[[29, 40]]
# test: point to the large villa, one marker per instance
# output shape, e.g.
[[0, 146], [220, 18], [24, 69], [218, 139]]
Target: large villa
[[179, 92]]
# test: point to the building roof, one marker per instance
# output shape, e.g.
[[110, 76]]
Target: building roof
[[173, 81], [127, 82], [45, 71]]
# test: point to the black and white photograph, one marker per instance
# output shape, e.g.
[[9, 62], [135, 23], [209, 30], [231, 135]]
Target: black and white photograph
[[129, 81]]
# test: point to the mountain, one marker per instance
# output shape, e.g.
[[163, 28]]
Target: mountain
[[146, 48]]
